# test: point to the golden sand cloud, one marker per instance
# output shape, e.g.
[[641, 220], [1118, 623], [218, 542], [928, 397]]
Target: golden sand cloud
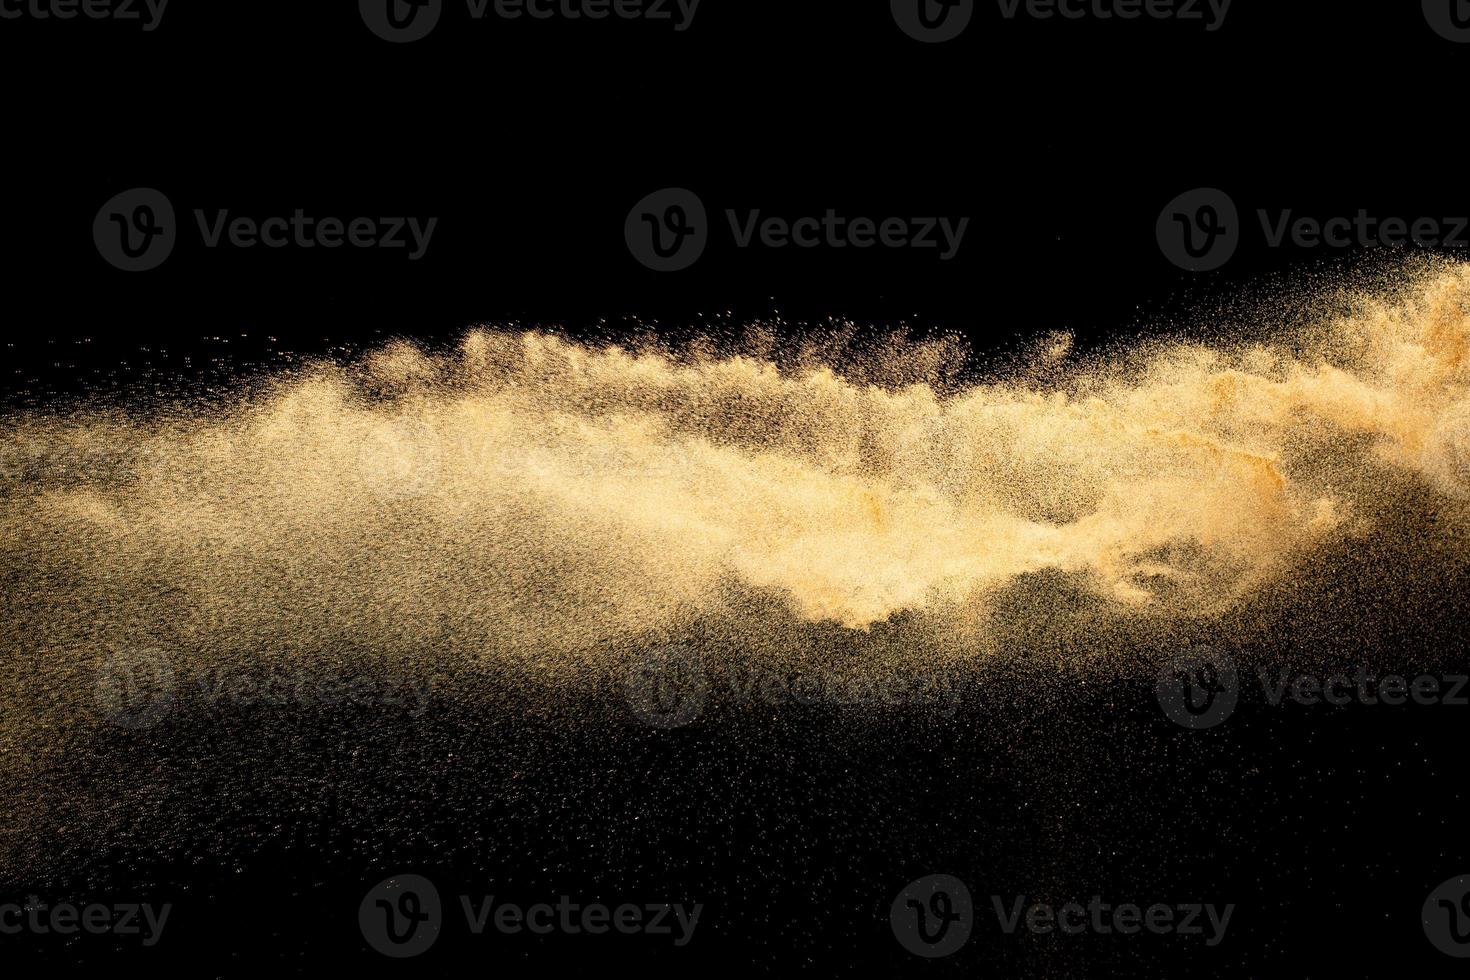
[[535, 506], [572, 493]]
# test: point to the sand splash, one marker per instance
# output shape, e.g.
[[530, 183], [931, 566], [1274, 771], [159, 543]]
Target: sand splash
[[536, 491], [534, 510]]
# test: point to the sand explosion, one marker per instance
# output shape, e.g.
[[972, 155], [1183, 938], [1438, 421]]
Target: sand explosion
[[532, 510], [542, 492]]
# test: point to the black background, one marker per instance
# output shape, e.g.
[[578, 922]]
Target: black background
[[1060, 140], [530, 141]]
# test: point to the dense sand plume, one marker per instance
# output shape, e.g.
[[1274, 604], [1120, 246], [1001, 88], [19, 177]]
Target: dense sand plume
[[534, 490], [532, 510]]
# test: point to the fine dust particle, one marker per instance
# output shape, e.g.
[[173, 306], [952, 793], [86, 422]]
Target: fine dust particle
[[535, 505], [573, 494]]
